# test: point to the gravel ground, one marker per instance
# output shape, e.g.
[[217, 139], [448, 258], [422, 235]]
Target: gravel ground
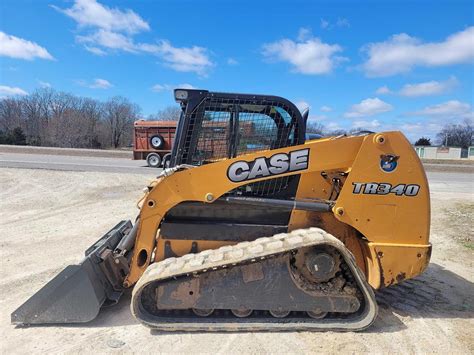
[[48, 218]]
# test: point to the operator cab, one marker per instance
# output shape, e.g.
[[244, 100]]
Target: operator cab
[[215, 126]]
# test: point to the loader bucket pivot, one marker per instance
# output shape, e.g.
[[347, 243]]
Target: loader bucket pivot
[[78, 292]]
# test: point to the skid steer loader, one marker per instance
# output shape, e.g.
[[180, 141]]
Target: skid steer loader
[[254, 228]]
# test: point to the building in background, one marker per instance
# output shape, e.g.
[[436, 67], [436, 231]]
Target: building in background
[[430, 152]]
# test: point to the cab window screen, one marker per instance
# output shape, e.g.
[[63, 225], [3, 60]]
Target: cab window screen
[[256, 131], [222, 128], [213, 137]]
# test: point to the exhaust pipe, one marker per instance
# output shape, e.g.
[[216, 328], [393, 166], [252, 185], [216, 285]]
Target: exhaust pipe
[[78, 292]]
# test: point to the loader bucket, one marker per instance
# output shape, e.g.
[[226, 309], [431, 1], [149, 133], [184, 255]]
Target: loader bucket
[[78, 292]]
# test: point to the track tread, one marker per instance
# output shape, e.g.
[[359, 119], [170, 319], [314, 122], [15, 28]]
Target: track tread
[[241, 253]]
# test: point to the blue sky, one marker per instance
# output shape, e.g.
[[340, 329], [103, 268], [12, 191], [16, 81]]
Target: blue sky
[[380, 65]]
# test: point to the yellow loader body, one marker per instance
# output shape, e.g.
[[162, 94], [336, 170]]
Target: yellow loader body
[[388, 232]]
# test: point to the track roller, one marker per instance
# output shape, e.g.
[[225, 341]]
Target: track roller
[[241, 313], [203, 312], [317, 314], [279, 314]]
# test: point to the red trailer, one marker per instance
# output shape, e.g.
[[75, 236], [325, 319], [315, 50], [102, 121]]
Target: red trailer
[[153, 141]]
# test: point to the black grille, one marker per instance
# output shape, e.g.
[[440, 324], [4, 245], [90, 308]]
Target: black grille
[[221, 128]]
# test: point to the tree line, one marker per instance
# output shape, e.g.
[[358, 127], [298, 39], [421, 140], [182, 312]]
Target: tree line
[[57, 119]]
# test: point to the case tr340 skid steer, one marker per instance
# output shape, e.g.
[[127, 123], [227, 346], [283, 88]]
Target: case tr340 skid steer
[[252, 227]]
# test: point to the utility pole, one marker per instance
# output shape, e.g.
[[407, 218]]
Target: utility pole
[[446, 142]]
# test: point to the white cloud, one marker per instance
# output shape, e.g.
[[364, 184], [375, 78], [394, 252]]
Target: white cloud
[[6, 91], [318, 118], [90, 13], [302, 105], [368, 107], [428, 88], [105, 30], [326, 108], [170, 87], [232, 61], [107, 39], [15, 47], [185, 59], [159, 88], [100, 84], [340, 22], [96, 84], [453, 109], [44, 84], [383, 90], [401, 52], [333, 126], [435, 118], [304, 33], [308, 56], [418, 129], [366, 124], [95, 50], [185, 86]]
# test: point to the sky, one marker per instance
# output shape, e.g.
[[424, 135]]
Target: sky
[[378, 65]]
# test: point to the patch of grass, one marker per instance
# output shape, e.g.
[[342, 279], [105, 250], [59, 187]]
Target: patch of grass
[[461, 223], [469, 245]]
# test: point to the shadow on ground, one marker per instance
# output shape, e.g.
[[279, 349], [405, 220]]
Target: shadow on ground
[[437, 293]]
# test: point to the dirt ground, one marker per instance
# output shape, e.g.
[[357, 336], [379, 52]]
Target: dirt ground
[[48, 218]]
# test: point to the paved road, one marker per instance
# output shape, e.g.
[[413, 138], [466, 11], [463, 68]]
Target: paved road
[[439, 181], [75, 163], [451, 182]]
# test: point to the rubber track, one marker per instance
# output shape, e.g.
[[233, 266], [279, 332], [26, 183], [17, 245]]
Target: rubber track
[[228, 256]]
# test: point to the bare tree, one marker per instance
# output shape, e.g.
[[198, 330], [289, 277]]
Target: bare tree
[[92, 112], [52, 118], [58, 130], [31, 112], [119, 115], [314, 127], [10, 114], [457, 135], [170, 113]]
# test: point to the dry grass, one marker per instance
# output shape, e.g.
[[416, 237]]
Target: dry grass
[[461, 224]]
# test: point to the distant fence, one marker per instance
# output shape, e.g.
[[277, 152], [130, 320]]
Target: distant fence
[[441, 152]]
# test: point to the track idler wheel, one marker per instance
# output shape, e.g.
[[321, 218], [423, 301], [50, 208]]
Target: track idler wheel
[[203, 312]]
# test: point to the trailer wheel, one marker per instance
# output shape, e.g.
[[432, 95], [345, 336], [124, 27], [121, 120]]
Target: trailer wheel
[[156, 141], [153, 160], [166, 160]]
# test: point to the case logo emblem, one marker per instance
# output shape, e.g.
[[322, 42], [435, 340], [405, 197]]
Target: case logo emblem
[[277, 164]]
